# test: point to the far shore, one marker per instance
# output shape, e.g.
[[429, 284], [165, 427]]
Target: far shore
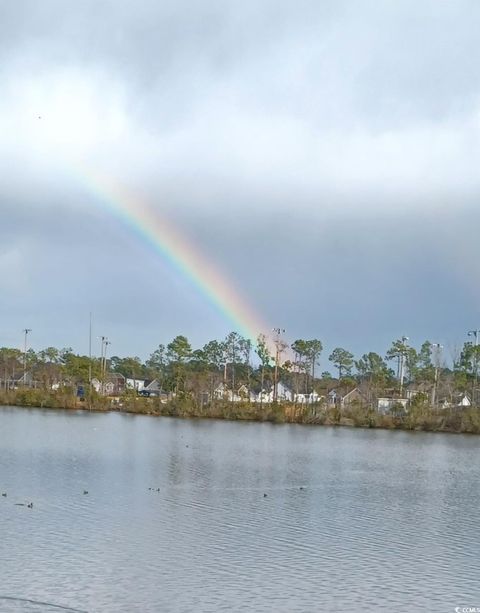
[[465, 421]]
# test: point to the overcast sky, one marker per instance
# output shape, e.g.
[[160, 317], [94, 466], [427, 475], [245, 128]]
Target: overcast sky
[[325, 154]]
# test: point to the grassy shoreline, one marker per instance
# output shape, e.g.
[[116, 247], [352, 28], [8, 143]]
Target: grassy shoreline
[[466, 421]]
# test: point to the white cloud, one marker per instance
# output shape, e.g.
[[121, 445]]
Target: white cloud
[[329, 108], [247, 122], [59, 112]]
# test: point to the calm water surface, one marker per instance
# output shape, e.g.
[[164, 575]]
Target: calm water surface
[[353, 520]]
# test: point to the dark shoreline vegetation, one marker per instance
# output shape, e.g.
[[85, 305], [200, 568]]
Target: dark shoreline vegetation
[[450, 421], [266, 380]]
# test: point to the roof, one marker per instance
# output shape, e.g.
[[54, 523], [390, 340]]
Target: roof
[[152, 384], [343, 392], [115, 376]]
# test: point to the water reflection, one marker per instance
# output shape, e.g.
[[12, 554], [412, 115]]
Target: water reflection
[[352, 519]]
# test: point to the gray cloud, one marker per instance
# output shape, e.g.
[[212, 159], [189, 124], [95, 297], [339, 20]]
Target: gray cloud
[[307, 97], [325, 154]]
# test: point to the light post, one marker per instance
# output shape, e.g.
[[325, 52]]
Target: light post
[[102, 340], [103, 361], [475, 334], [402, 362], [233, 368], [90, 362], [107, 343], [277, 341], [25, 331], [437, 352]]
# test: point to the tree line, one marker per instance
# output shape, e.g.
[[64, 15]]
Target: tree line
[[236, 361]]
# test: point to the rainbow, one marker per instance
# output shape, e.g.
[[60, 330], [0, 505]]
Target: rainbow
[[153, 229]]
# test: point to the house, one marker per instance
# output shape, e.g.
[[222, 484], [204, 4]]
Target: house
[[163, 396], [152, 385], [19, 380], [463, 401], [342, 398], [311, 398], [242, 394], [221, 392], [137, 384], [392, 405], [245, 394], [284, 394], [457, 401], [419, 388], [152, 389], [114, 385]]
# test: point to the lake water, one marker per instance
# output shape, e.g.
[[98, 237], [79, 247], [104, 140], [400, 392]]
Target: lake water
[[353, 520]]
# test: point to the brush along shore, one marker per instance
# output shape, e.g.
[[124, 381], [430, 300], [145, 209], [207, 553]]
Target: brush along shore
[[421, 417]]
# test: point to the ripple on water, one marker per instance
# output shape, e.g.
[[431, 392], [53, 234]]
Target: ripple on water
[[385, 520]]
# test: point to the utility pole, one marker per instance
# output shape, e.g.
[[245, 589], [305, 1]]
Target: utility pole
[[277, 341], [103, 352], [233, 369], [107, 343], [90, 362], [402, 363], [225, 356], [436, 360], [25, 331], [475, 334]]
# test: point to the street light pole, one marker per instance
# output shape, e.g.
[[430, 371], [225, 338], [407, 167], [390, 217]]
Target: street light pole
[[90, 362], [475, 334], [107, 342], [233, 368], [102, 353], [402, 363], [438, 348], [278, 332], [25, 331]]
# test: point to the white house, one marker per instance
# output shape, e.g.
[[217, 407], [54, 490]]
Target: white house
[[464, 401], [284, 394], [242, 394], [137, 384], [385, 405], [460, 401], [307, 398], [343, 398]]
